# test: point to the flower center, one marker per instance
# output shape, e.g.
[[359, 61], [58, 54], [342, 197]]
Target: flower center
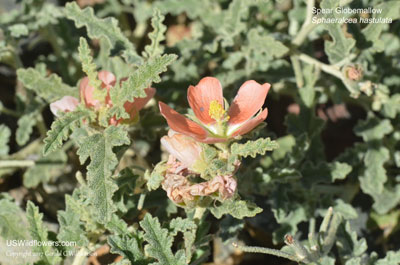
[[217, 112]]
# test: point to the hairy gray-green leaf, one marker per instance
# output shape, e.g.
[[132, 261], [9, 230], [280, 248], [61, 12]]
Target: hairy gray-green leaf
[[237, 208], [156, 36], [117, 226], [71, 229], [252, 148], [12, 221], [39, 232], [373, 129], [99, 147], [100, 28], [142, 78], [45, 169], [128, 248], [340, 46], [87, 63], [5, 134], [25, 128], [62, 127], [389, 10], [159, 242], [49, 88], [18, 30]]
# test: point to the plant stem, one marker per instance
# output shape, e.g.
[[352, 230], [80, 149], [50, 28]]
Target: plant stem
[[324, 67], [9, 112], [297, 71], [268, 251], [307, 26], [198, 213], [16, 163]]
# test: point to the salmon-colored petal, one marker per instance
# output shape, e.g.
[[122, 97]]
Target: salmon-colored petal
[[139, 103], [107, 78], [251, 124], [200, 97], [181, 124], [248, 101]]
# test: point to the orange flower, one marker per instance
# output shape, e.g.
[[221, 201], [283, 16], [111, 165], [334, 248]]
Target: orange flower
[[108, 81], [213, 122]]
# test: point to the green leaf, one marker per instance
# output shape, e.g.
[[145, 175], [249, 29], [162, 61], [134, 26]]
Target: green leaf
[[25, 128], [5, 134], [181, 225], [45, 169], [339, 170], [101, 28], [156, 36], [392, 258], [252, 148], [87, 63], [340, 46], [160, 242], [49, 88], [18, 30], [375, 174], [392, 107], [128, 248], [237, 208], [155, 178], [62, 127], [231, 24], [263, 48], [346, 210], [117, 226], [99, 147], [142, 78], [71, 228], [39, 232], [373, 129], [12, 221], [372, 33]]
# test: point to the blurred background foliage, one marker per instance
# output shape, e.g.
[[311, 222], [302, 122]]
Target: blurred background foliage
[[333, 108]]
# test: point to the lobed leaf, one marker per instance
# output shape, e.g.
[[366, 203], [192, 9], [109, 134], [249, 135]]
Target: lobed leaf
[[45, 169], [49, 88], [128, 248], [341, 45], [156, 36], [99, 147], [252, 148], [62, 127], [101, 28], [237, 208], [372, 33], [5, 134], [39, 232], [12, 221], [25, 128], [142, 78], [87, 63], [160, 242]]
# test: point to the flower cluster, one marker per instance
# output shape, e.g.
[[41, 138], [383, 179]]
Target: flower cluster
[[186, 177], [214, 123], [88, 97]]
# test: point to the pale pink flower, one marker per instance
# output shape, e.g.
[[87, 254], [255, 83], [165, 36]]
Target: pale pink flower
[[66, 104], [213, 123], [183, 148]]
